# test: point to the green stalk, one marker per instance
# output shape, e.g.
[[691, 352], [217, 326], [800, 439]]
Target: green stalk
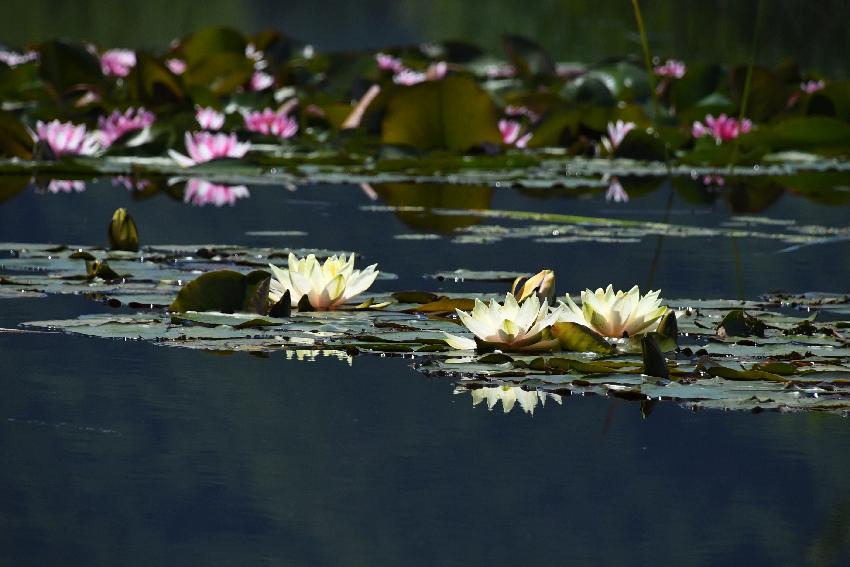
[[748, 81], [647, 61]]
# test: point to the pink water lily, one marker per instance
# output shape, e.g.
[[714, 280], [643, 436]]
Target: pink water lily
[[409, 77], [13, 58], [510, 130], [255, 55], [66, 138], [617, 132], [209, 118], [810, 87], [260, 81], [722, 128], [176, 66], [200, 192], [671, 68], [206, 146], [117, 124], [271, 123], [117, 62], [387, 62]]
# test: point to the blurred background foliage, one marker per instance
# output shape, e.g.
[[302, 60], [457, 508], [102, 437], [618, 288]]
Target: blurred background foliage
[[813, 33]]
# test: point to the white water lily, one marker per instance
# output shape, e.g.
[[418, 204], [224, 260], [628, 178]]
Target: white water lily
[[509, 396], [509, 325], [616, 314], [327, 286]]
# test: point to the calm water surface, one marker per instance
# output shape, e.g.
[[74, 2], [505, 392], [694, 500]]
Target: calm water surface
[[122, 453]]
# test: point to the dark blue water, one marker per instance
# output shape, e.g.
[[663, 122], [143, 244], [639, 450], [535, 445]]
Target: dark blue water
[[123, 453]]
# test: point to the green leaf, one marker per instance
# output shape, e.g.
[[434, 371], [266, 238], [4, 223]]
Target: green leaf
[[454, 114], [223, 290], [768, 95], [579, 338], [67, 66], [256, 298], [732, 374], [152, 83], [283, 308], [445, 305], [737, 323], [813, 132], [11, 185], [123, 234], [15, 140], [699, 82], [640, 144], [668, 327], [212, 41], [528, 57], [654, 362], [414, 296], [102, 270]]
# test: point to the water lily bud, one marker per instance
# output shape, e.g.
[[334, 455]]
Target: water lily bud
[[541, 285], [123, 234]]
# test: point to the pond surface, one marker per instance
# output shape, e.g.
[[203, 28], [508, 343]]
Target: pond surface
[[119, 452]]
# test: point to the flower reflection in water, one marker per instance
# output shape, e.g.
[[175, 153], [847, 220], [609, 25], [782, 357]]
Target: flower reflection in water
[[311, 355], [66, 186], [615, 191], [130, 184], [200, 192], [509, 396]]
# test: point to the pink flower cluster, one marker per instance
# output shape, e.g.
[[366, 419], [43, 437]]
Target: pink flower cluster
[[403, 75], [810, 87], [13, 59], [66, 138], [209, 118], [117, 124], [671, 68], [206, 146], [271, 123], [200, 192], [510, 130], [117, 62], [176, 66], [260, 81], [387, 62], [722, 129]]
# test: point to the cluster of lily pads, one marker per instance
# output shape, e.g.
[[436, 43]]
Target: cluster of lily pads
[[781, 352], [271, 101]]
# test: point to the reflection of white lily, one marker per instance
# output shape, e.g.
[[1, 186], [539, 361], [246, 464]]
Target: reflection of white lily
[[508, 326], [509, 396], [327, 286], [616, 314]]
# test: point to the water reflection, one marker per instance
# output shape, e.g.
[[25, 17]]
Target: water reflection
[[66, 186], [509, 396], [200, 192], [421, 198]]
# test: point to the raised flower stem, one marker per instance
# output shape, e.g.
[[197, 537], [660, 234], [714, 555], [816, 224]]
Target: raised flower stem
[[747, 81]]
